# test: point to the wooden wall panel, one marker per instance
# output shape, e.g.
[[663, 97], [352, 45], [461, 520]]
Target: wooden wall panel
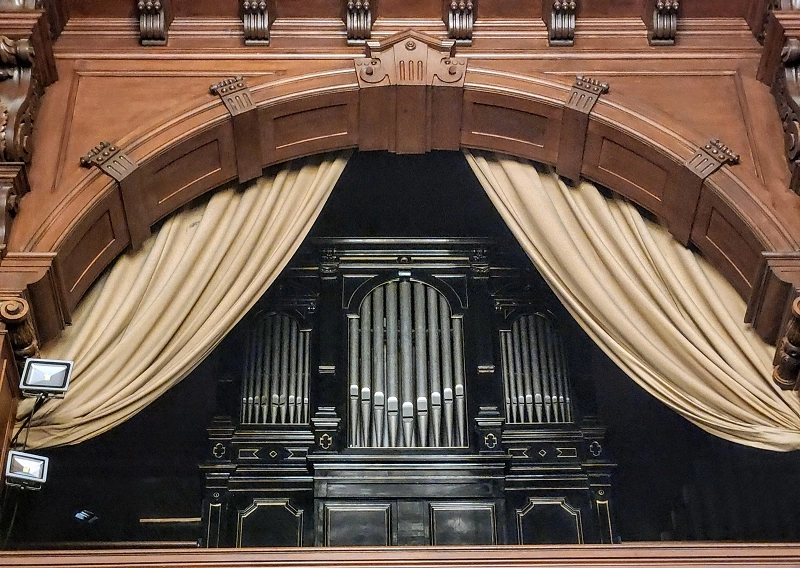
[[726, 241], [309, 126], [528, 128], [92, 245], [638, 172], [179, 174]]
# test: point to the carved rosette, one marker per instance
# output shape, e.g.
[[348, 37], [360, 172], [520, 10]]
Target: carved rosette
[[359, 21], [255, 21], [562, 22], [786, 370], [155, 16], [460, 20], [15, 313], [665, 23]]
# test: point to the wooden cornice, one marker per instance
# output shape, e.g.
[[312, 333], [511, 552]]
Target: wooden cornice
[[656, 555]]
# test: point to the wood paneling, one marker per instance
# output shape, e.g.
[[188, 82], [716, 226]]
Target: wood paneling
[[506, 124], [726, 241], [92, 245], [662, 555], [308, 126], [9, 395]]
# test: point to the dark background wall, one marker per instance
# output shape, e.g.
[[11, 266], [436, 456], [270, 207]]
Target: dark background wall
[[673, 480]]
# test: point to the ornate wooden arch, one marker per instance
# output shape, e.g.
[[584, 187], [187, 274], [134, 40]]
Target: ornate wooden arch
[[439, 102]]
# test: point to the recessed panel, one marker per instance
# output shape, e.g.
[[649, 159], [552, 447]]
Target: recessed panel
[[308, 126], [508, 125], [549, 521], [357, 524], [269, 522], [463, 523], [646, 180]]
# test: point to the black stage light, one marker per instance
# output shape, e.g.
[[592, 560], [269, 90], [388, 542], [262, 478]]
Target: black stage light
[[45, 377]]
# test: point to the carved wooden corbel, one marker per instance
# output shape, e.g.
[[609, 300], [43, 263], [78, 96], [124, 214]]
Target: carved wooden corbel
[[20, 91], [110, 159], [574, 124], [359, 21], [155, 16], [559, 16], [460, 20], [661, 18], [711, 157], [256, 22], [786, 364], [237, 99], [15, 313]]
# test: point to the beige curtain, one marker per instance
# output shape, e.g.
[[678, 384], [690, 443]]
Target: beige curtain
[[158, 312], [662, 313]]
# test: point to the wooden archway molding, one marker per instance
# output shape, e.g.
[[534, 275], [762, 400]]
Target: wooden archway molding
[[448, 104]]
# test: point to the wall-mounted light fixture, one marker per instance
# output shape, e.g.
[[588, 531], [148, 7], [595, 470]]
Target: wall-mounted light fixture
[[26, 471], [47, 377]]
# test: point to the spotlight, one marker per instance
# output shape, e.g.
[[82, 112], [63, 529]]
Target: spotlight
[[45, 377], [27, 471]]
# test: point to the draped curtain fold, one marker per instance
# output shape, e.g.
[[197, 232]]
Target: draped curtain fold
[[665, 316], [159, 311]]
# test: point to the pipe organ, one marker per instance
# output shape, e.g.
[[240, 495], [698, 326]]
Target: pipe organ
[[406, 392]]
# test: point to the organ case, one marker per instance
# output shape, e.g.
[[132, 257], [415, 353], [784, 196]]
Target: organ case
[[405, 392]]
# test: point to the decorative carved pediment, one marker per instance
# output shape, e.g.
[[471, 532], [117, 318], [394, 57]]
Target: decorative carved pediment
[[411, 58]]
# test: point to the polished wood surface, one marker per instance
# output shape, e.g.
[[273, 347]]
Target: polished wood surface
[[629, 555]]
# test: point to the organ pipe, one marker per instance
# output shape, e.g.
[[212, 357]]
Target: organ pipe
[[275, 380], [413, 371], [534, 372]]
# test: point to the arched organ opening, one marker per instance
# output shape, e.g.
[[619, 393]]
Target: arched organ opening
[[406, 391]]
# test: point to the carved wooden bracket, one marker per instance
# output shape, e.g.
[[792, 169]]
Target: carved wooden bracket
[[711, 157], [236, 97], [110, 159], [780, 69], [574, 124], [155, 17], [256, 22], [661, 18], [15, 313], [559, 16], [786, 364], [13, 185], [37, 278], [420, 69], [460, 20], [776, 286], [359, 21]]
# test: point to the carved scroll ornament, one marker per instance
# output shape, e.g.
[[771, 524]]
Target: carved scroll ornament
[[665, 23], [460, 20], [20, 92], [255, 21], [155, 16], [16, 315], [359, 21], [786, 370], [786, 90], [562, 22]]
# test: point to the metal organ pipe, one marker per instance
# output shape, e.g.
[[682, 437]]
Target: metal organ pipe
[[275, 380], [413, 371], [534, 372]]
